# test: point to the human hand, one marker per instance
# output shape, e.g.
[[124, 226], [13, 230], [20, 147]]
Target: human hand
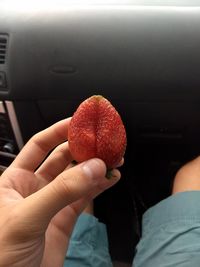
[[40, 200]]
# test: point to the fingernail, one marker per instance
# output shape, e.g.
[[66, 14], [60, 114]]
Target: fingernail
[[94, 168]]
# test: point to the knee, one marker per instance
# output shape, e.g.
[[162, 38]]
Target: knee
[[188, 177]]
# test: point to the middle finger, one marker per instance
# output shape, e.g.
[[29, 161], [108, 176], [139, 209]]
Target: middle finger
[[56, 163]]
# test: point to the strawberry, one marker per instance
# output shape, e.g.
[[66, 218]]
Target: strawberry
[[97, 131]]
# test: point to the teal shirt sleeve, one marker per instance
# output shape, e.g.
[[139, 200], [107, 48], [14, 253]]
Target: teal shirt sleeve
[[88, 244], [171, 233]]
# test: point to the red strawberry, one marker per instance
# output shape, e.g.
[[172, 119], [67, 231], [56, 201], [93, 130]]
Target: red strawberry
[[96, 130]]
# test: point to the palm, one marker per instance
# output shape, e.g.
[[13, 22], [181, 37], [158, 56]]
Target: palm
[[58, 232], [21, 180], [40, 200]]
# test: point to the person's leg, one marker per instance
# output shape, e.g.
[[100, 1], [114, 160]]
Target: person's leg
[[171, 229], [188, 177], [89, 244]]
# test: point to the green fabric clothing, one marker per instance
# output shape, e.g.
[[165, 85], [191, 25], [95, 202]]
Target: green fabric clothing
[[171, 233], [170, 236], [89, 244]]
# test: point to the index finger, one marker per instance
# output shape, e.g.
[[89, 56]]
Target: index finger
[[38, 147]]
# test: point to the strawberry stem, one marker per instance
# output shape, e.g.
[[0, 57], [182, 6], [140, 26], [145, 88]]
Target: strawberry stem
[[74, 162], [109, 174]]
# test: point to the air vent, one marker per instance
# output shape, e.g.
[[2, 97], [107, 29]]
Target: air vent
[[3, 49]]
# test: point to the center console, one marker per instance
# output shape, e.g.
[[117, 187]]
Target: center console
[[10, 137]]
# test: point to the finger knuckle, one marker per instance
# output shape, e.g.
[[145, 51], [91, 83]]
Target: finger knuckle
[[63, 187], [39, 142]]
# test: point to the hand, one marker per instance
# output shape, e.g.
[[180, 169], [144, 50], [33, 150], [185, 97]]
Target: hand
[[188, 177], [40, 200]]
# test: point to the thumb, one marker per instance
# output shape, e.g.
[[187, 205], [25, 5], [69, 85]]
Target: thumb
[[67, 187]]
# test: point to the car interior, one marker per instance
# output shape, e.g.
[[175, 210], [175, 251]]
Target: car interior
[[143, 56]]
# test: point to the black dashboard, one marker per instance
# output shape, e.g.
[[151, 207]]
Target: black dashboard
[[144, 58]]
